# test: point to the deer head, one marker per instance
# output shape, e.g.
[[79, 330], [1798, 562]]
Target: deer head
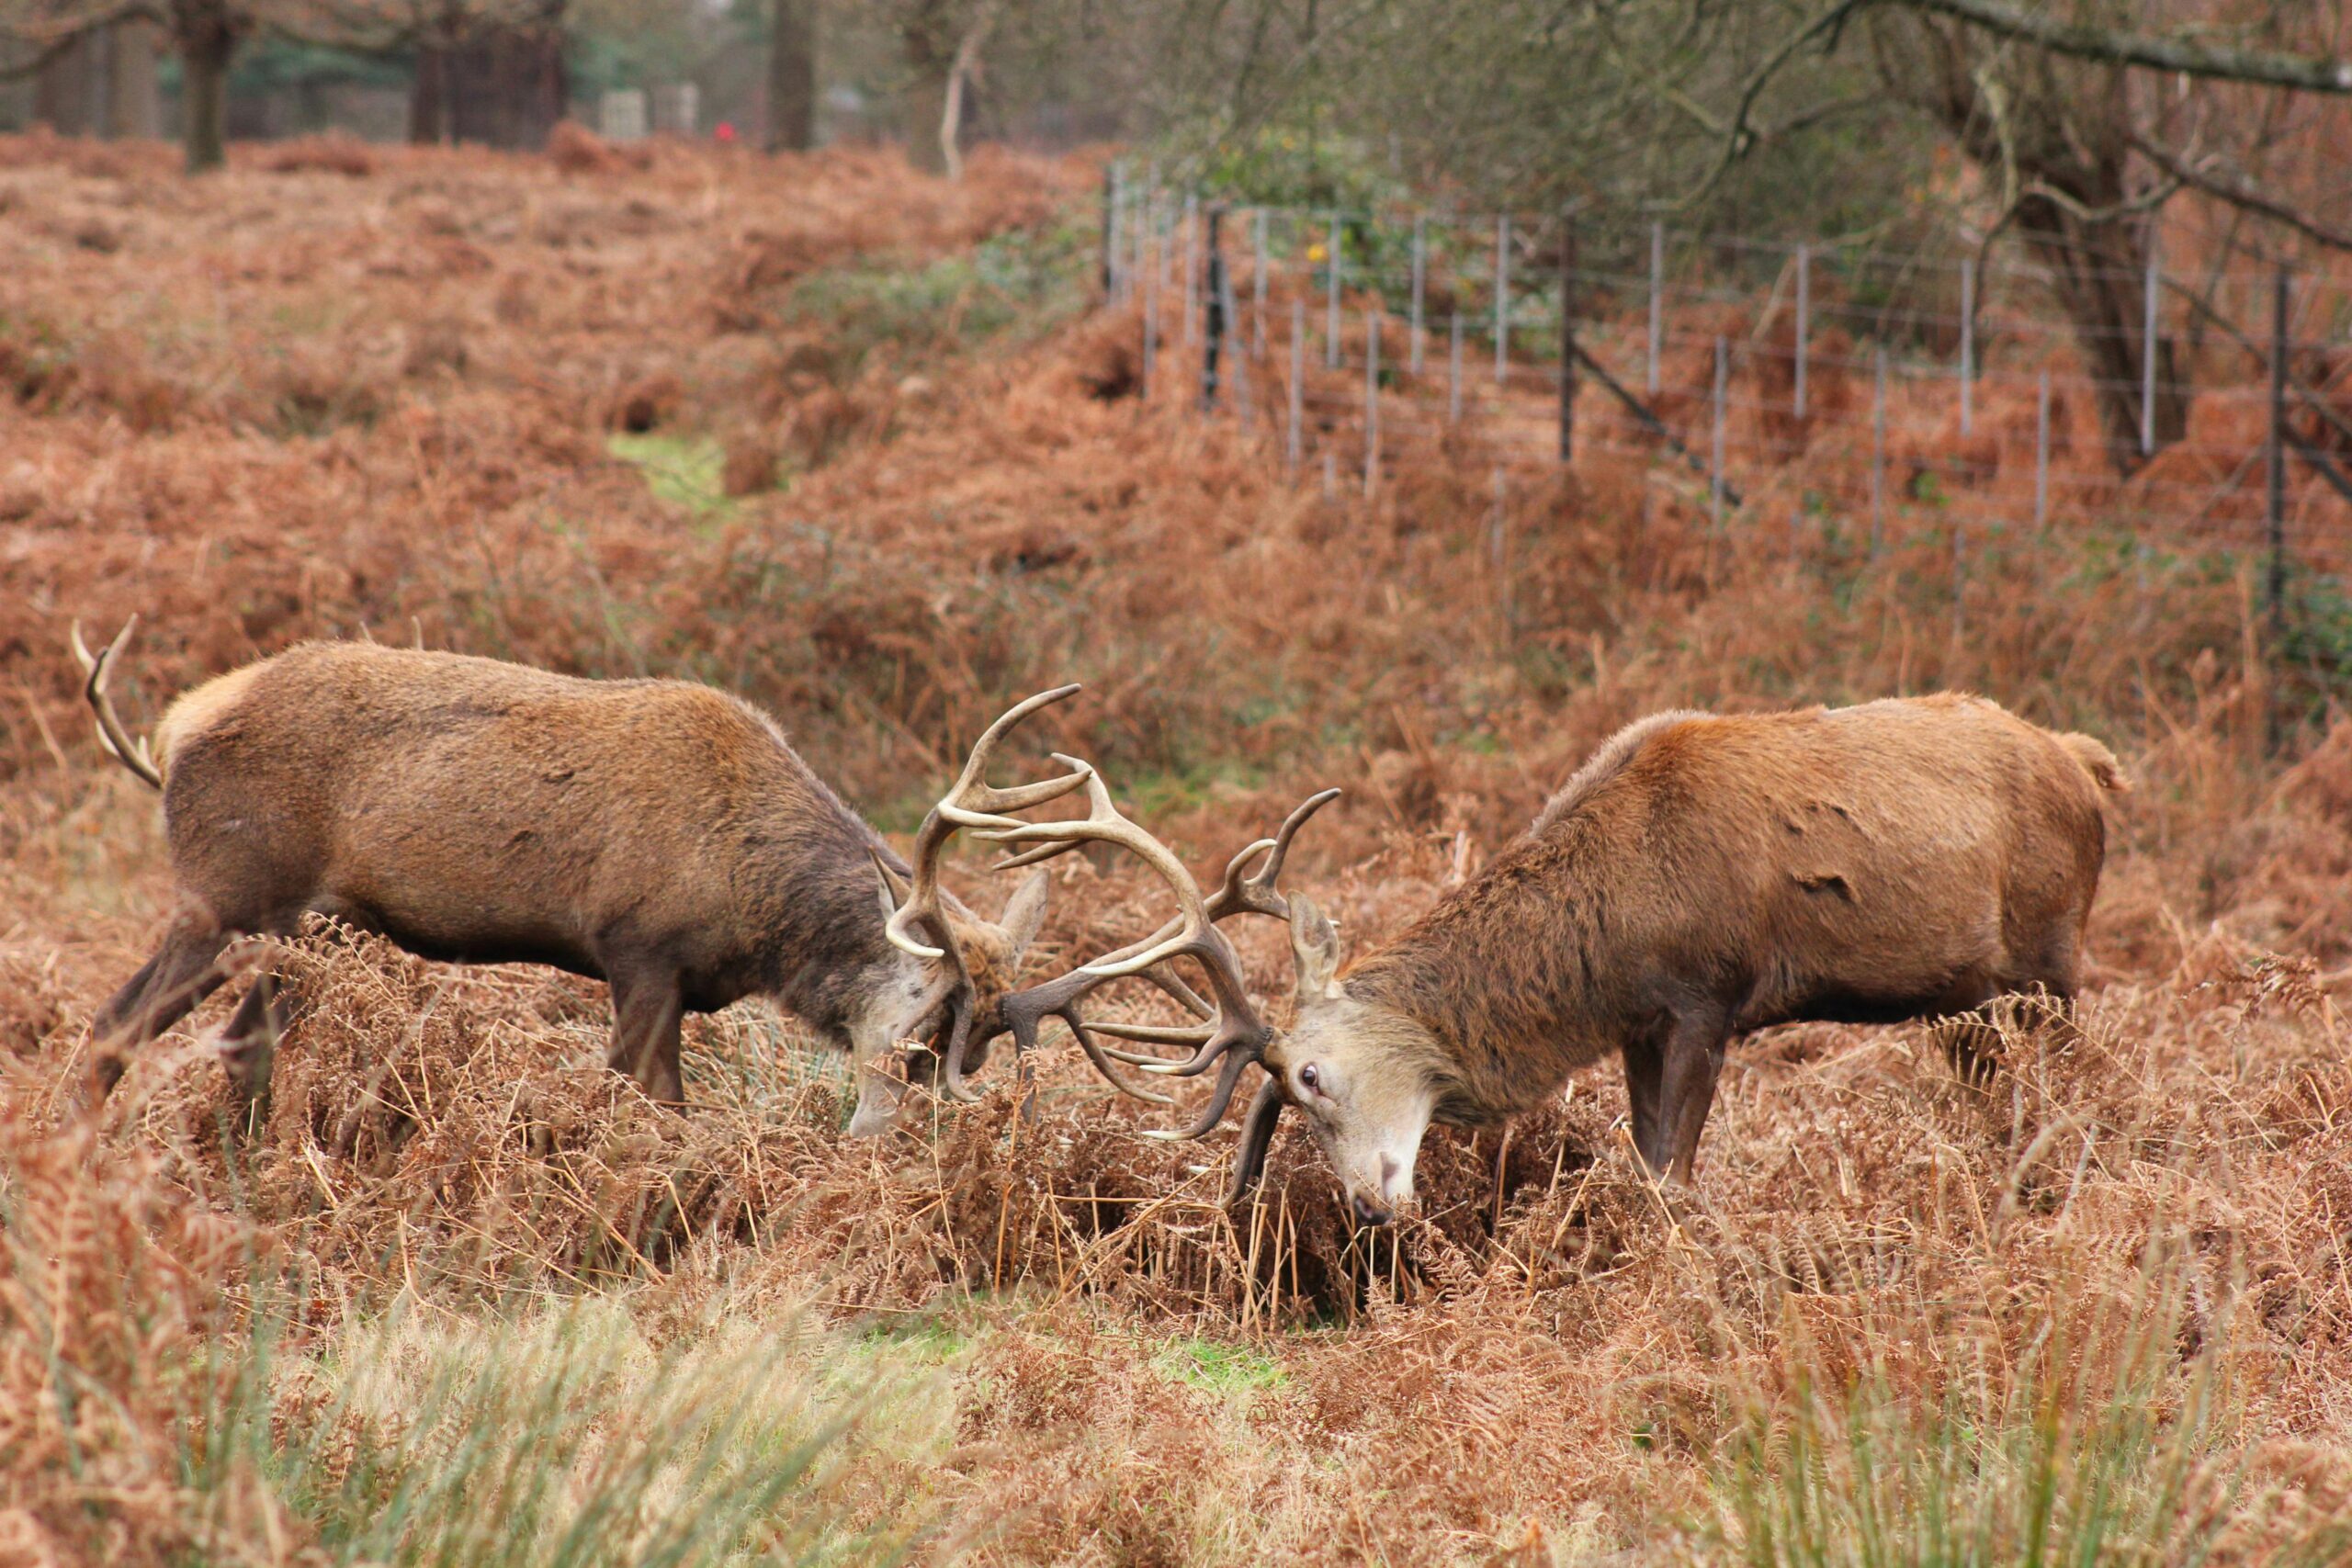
[[1357, 1071]]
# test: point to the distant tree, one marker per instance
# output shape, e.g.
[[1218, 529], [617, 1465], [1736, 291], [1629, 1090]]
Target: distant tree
[[2085, 131], [487, 71], [92, 67], [1808, 115], [792, 77]]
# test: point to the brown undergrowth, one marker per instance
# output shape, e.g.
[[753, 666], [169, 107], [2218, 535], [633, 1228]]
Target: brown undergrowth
[[2100, 1292]]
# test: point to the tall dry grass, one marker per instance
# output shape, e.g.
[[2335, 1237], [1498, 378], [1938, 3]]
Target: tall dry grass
[[464, 1294]]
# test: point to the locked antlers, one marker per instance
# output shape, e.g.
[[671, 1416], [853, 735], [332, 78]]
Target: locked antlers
[[1230, 1030]]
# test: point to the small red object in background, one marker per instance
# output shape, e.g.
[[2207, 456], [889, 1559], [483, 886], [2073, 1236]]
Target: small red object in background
[[725, 132]]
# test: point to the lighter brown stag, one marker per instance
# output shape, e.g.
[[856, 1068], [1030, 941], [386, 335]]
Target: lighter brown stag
[[1699, 877]]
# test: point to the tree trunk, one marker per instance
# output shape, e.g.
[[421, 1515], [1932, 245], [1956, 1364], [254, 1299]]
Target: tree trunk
[[136, 104], [2066, 128], [931, 59], [207, 39], [503, 85], [428, 96], [792, 78], [2102, 283], [61, 91]]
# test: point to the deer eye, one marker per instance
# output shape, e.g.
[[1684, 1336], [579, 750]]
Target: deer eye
[[1308, 1078]]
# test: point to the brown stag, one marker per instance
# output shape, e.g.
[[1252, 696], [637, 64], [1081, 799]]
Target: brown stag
[[1698, 877], [658, 835]]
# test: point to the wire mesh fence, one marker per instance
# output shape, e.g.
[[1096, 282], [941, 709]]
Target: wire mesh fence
[[1802, 391]]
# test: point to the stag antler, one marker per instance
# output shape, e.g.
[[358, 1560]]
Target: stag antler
[[96, 668], [970, 802], [1230, 1028]]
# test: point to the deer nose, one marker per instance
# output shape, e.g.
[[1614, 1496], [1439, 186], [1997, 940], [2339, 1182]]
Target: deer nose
[[1369, 1212]]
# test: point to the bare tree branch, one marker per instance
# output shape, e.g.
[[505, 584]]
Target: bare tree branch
[[1736, 135], [2112, 46], [2243, 196]]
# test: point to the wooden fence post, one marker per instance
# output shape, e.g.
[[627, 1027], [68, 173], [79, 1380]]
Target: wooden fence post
[[1213, 321], [1110, 233], [2276, 499], [1567, 338], [1715, 468]]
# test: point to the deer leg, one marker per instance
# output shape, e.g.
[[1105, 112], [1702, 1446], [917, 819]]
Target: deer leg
[[248, 1047], [1694, 1060], [647, 1013], [183, 972], [1643, 1066]]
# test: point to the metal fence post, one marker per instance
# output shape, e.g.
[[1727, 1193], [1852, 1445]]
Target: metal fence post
[[1192, 264], [1110, 231], [2042, 455], [1420, 275], [1805, 320], [1502, 298], [1657, 302], [1150, 316], [1258, 285], [2148, 359], [1298, 378], [1959, 577], [1454, 376], [1371, 398], [2276, 499], [1878, 455], [1139, 225], [1967, 346], [1331, 309], [1239, 375]]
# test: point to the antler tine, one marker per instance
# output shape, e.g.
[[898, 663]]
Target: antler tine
[[1256, 894], [1230, 1028], [976, 803], [1023, 1011], [1104, 824], [96, 668], [1219, 1099], [971, 802]]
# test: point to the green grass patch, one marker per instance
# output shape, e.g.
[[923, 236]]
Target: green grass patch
[[1231, 1370], [569, 1435], [1018, 286], [687, 472]]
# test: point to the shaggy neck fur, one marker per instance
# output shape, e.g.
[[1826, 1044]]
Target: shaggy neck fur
[[1504, 971]]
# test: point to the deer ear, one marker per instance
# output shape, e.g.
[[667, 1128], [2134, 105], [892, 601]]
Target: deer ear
[[891, 887], [1024, 911], [1315, 944]]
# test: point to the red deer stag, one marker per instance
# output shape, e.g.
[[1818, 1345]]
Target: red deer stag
[[1698, 877], [658, 835]]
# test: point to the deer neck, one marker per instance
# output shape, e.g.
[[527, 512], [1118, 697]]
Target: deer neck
[[1505, 973]]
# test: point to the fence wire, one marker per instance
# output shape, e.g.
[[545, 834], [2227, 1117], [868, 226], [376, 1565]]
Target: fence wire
[[1819, 390]]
